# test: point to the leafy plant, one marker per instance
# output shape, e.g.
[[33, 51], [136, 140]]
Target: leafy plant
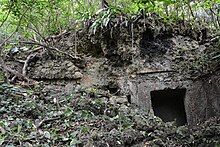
[[48, 17]]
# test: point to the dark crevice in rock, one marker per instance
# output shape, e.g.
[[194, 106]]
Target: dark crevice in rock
[[129, 98], [152, 45]]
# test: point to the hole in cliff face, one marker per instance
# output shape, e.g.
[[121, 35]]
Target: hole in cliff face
[[112, 87], [169, 105], [153, 45]]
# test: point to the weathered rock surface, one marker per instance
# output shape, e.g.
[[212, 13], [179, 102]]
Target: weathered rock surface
[[133, 63], [118, 100], [203, 99], [55, 69]]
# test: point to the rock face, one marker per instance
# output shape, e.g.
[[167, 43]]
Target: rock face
[[154, 59], [173, 64], [55, 70], [2, 76], [203, 99], [168, 68]]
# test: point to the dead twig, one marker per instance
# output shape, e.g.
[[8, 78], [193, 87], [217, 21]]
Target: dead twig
[[57, 36], [36, 30], [13, 78], [154, 72], [35, 49], [45, 120], [13, 72], [27, 61]]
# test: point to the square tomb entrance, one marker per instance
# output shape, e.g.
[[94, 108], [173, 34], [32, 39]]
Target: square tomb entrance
[[168, 104]]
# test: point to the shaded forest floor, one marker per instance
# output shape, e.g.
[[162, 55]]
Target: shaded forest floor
[[87, 117]]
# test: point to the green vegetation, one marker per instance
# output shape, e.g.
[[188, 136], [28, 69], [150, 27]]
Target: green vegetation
[[35, 116], [36, 20], [54, 16], [28, 119]]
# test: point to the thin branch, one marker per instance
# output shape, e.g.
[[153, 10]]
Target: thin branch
[[19, 23], [27, 61], [57, 36], [35, 49], [6, 40], [36, 30], [51, 48], [14, 72], [6, 17], [190, 9], [154, 72]]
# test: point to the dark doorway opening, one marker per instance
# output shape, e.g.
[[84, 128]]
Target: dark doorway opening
[[169, 105]]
